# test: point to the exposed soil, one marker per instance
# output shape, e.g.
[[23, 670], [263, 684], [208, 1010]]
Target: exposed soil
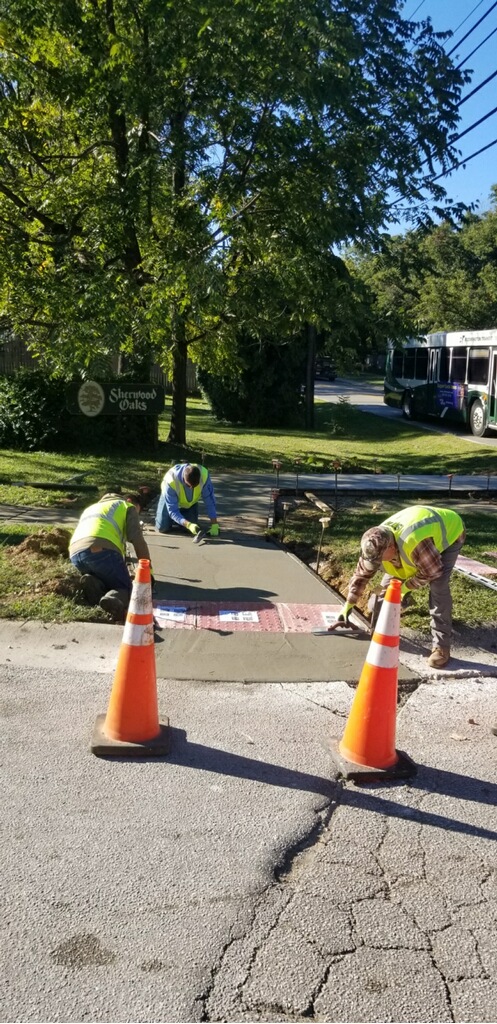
[[35, 558]]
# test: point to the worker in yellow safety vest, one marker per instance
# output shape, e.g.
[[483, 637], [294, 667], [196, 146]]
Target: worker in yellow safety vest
[[182, 487], [418, 545], [98, 550]]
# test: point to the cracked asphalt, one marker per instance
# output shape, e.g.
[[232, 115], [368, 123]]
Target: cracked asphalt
[[240, 878]]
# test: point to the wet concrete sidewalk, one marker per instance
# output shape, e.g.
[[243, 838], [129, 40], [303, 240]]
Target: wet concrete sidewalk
[[237, 608]]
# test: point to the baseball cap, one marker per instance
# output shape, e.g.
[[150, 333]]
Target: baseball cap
[[373, 544]]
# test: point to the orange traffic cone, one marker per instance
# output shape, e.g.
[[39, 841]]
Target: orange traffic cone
[[131, 725], [369, 737]]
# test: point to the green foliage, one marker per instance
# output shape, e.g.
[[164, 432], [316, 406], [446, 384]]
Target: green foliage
[[166, 177], [441, 280], [267, 390], [33, 416], [30, 406]]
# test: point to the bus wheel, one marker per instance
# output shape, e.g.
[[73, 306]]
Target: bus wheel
[[407, 407], [477, 420]]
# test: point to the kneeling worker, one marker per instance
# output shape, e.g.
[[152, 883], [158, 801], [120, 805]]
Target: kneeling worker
[[98, 550], [181, 490], [419, 546]]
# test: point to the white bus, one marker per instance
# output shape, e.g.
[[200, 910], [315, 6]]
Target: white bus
[[449, 375]]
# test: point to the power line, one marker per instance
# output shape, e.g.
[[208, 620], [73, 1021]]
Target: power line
[[490, 9], [474, 125], [463, 22], [466, 160], [478, 87], [411, 16], [492, 33]]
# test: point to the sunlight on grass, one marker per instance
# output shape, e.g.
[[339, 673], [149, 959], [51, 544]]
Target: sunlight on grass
[[359, 441]]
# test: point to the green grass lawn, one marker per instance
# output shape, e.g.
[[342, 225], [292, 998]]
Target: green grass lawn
[[358, 440], [474, 605]]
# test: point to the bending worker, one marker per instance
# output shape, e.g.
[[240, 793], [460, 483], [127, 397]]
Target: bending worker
[[181, 490], [418, 545], [98, 550]]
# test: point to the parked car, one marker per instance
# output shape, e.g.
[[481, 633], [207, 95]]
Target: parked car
[[325, 369]]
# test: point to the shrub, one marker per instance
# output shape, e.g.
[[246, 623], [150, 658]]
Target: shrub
[[33, 416], [267, 391]]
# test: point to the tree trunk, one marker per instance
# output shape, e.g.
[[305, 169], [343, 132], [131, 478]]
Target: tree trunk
[[177, 428], [310, 374]]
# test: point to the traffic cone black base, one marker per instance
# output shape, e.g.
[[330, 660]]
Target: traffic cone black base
[[103, 746], [403, 768]]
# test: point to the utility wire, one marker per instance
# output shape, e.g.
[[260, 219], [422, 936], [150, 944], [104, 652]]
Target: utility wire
[[478, 87], [466, 160], [474, 125], [463, 22], [473, 92], [411, 16], [490, 9], [492, 33]]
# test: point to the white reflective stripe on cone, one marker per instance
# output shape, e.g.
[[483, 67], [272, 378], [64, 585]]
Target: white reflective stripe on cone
[[382, 656], [389, 619], [138, 636], [141, 599]]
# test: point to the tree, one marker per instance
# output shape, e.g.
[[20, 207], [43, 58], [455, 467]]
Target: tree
[[441, 280], [170, 172]]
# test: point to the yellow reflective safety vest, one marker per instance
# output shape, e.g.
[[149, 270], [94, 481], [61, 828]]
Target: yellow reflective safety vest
[[172, 481], [442, 525], [105, 520]]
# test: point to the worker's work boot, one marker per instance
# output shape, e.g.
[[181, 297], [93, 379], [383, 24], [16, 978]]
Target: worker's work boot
[[439, 657], [92, 588], [112, 604], [494, 729]]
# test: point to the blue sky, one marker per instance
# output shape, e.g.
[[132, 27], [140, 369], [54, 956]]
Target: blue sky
[[471, 183]]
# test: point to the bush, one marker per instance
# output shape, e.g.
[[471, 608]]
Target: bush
[[33, 416], [267, 392], [30, 407]]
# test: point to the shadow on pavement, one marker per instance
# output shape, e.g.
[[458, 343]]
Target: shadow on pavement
[[184, 595], [430, 780]]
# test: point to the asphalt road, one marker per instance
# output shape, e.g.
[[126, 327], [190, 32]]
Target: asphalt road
[[238, 879], [370, 399]]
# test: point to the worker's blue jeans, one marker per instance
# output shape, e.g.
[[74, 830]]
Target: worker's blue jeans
[[108, 566], [163, 521]]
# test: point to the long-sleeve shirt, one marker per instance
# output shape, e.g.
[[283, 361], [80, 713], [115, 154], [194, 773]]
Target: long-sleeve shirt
[[426, 558], [172, 500]]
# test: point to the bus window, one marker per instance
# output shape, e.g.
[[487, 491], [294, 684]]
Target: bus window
[[478, 364], [421, 364], [409, 357], [443, 366], [458, 365], [397, 361]]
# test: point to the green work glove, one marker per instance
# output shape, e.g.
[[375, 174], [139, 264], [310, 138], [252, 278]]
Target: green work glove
[[345, 612], [214, 530], [405, 590], [193, 528]]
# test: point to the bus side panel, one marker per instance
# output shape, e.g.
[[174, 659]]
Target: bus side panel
[[451, 402]]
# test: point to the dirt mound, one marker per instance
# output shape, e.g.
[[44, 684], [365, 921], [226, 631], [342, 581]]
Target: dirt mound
[[49, 544]]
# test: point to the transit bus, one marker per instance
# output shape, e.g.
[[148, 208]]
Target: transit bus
[[450, 376]]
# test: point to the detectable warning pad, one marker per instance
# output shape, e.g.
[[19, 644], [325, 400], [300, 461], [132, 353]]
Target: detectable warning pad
[[303, 618], [245, 616], [174, 615], [255, 617]]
